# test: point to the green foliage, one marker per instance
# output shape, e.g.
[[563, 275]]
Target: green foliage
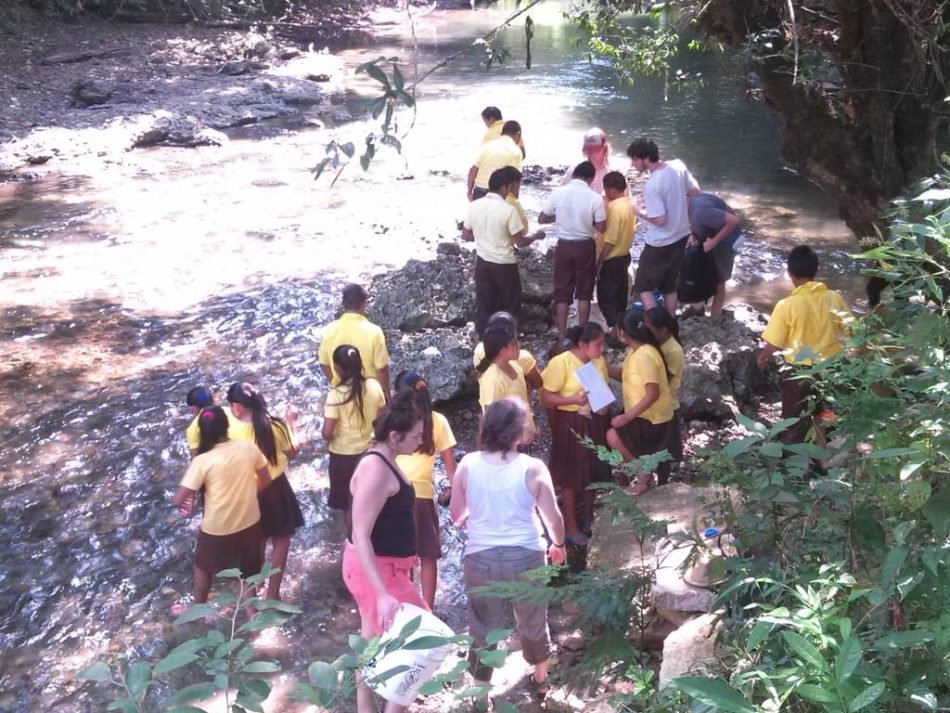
[[224, 658], [171, 9]]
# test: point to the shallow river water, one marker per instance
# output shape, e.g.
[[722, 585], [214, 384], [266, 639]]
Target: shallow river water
[[136, 277]]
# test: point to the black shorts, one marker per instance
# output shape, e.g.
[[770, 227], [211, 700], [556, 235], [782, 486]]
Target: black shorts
[[659, 268], [280, 511], [428, 541], [242, 550], [341, 469], [644, 438], [724, 259], [574, 265]]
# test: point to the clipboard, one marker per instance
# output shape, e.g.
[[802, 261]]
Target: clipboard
[[599, 394]]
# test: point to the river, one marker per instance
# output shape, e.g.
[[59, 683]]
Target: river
[[132, 278]]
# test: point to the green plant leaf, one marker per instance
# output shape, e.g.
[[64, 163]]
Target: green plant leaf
[[423, 643], [782, 425], [866, 697], [714, 692], [261, 667], [97, 671], [740, 446], [505, 707], [233, 573], [357, 643], [492, 657], [195, 612], [322, 675], [228, 648], [175, 660], [265, 620], [348, 148], [848, 658], [937, 511], [126, 705], [750, 425], [398, 81], [805, 650], [373, 70], [137, 679], [496, 635], [194, 692], [770, 449], [759, 633], [185, 709], [816, 694], [903, 639], [260, 604]]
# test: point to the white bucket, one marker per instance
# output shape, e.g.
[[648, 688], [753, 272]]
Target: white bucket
[[423, 663]]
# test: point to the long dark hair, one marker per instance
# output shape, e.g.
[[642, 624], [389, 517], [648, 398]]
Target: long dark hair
[[399, 416], [634, 325], [413, 382], [263, 423], [212, 428], [349, 367], [497, 337], [660, 318], [503, 425], [584, 333]]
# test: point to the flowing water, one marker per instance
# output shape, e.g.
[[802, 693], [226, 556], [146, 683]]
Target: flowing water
[[136, 277]]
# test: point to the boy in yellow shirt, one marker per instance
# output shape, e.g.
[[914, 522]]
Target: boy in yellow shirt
[[613, 251], [353, 328], [806, 327]]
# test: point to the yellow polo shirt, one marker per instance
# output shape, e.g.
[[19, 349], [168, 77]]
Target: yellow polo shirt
[[617, 239], [193, 435], [558, 376], [494, 384], [283, 440], [228, 474], [496, 154], [518, 207], [494, 132], [808, 324], [526, 359], [417, 467], [354, 329], [352, 435], [493, 221], [675, 360], [641, 367]]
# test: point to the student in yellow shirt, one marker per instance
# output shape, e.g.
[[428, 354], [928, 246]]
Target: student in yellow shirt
[[572, 465], [526, 360], [418, 467], [667, 331], [348, 415], [198, 398], [280, 511], [806, 327], [231, 473], [353, 328], [613, 252], [495, 154], [643, 427], [500, 374], [491, 117]]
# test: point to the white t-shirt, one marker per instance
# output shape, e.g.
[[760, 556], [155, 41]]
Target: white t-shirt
[[665, 193], [493, 221], [575, 208]]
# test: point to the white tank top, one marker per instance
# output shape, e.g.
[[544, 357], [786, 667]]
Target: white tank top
[[501, 509]]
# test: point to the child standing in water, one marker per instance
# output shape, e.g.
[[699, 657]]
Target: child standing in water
[[280, 511], [573, 466], [437, 437], [198, 398], [667, 332], [643, 428], [348, 415], [500, 374], [231, 473]]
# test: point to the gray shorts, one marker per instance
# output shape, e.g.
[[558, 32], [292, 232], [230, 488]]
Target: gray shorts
[[724, 258], [505, 564]]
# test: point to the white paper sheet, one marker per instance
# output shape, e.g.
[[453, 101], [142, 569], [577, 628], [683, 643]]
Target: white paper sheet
[[599, 394]]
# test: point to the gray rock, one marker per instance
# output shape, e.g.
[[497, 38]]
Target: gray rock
[[234, 69], [425, 295], [690, 649], [89, 92], [177, 130], [443, 356]]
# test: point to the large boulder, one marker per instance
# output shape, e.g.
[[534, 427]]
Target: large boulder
[[690, 649], [443, 356]]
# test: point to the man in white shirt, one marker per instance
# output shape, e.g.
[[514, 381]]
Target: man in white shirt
[[578, 214], [496, 227], [667, 217]]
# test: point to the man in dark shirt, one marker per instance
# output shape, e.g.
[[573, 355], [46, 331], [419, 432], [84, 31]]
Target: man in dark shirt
[[716, 227]]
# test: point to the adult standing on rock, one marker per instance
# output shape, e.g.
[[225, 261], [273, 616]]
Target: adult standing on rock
[[596, 149], [495, 154], [667, 216], [715, 226], [491, 115], [578, 214], [353, 328], [496, 227]]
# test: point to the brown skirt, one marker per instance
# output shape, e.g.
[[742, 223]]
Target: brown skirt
[[572, 464], [428, 541], [242, 549], [341, 473], [280, 511]]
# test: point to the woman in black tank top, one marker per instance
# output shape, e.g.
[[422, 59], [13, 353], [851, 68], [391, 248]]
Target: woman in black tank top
[[380, 550]]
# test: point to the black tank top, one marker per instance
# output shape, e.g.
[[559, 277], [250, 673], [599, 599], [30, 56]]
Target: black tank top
[[394, 533]]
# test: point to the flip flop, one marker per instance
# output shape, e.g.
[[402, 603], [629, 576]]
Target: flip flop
[[578, 540]]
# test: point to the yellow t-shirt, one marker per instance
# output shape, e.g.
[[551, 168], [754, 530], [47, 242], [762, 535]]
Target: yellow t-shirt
[[193, 435], [417, 467], [494, 132], [228, 474], [526, 359], [518, 207], [352, 436], [283, 441], [675, 366], [558, 376], [494, 384], [641, 367], [496, 154], [807, 325], [617, 239], [354, 329]]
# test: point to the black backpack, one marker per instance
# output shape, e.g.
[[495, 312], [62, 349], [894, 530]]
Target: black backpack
[[697, 276]]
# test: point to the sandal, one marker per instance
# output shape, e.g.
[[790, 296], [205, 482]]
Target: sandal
[[578, 540], [539, 690]]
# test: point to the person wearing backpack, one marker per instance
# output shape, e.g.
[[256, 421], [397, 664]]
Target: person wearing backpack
[[715, 228]]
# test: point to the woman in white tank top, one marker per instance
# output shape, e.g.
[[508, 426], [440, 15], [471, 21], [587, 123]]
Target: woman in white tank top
[[498, 494]]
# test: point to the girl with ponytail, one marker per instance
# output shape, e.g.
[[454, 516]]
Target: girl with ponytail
[[667, 332], [280, 511], [500, 374], [574, 466], [643, 428]]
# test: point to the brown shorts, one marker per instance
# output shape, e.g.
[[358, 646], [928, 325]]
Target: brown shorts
[[644, 438], [574, 277], [428, 541], [243, 549], [341, 473], [280, 511], [659, 268], [796, 395]]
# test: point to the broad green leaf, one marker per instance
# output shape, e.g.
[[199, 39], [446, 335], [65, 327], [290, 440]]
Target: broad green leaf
[[893, 562], [95, 672], [196, 611], [175, 660], [389, 673], [770, 449], [185, 709], [375, 72], [903, 639], [137, 679], [398, 81], [423, 643], [738, 447], [233, 573], [410, 628], [276, 604], [782, 425], [750, 425], [892, 453], [261, 667], [265, 620], [222, 681], [758, 634], [848, 658], [357, 643], [322, 675], [227, 648], [430, 688], [496, 635], [866, 697], [126, 705], [505, 707], [817, 694], [937, 511], [805, 650], [714, 692], [492, 657], [194, 692], [257, 686]]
